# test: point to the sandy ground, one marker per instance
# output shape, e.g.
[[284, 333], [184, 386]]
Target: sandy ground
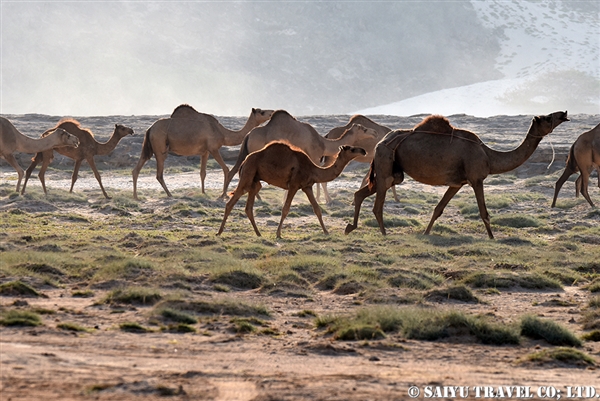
[[46, 363]]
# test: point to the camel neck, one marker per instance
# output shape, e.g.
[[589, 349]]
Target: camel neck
[[31, 145], [234, 138], [108, 146], [330, 173], [502, 162]]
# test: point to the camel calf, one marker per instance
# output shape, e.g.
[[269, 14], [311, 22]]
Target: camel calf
[[289, 168], [584, 156]]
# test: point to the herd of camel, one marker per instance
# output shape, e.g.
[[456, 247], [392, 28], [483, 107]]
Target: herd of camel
[[292, 155]]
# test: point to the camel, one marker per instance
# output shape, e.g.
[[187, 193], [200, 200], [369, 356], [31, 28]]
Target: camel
[[284, 127], [11, 141], [435, 153], [289, 168], [88, 148], [584, 156], [189, 133], [367, 144]]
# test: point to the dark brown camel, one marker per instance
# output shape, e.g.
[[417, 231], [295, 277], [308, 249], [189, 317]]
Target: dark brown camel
[[584, 156], [435, 153], [87, 149], [289, 168]]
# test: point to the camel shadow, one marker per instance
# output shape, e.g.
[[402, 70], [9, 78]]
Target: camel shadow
[[442, 241]]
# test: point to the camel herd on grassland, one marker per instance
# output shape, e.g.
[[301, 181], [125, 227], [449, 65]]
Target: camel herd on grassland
[[292, 155]]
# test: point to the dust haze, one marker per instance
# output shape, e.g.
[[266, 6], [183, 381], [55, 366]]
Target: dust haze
[[122, 58]]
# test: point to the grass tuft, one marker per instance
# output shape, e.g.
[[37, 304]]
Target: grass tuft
[[19, 289], [133, 295], [555, 334], [561, 354], [20, 318]]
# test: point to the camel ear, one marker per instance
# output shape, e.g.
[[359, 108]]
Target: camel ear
[[253, 110]]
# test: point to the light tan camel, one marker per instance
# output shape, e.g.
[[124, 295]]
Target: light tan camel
[[435, 153], [87, 149], [584, 156], [11, 141], [189, 133], [284, 127], [368, 144], [289, 168]]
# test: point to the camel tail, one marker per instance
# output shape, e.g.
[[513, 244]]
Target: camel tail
[[147, 151], [371, 175], [571, 162]]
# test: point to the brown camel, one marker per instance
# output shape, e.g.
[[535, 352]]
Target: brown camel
[[11, 141], [584, 156], [284, 127], [88, 148], [435, 153], [189, 133], [289, 168], [368, 144]]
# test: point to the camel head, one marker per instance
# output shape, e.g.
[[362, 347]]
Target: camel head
[[67, 139], [361, 132], [546, 124], [262, 115], [122, 131], [351, 152]]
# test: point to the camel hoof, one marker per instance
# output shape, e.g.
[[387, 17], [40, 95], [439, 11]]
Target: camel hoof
[[349, 229]]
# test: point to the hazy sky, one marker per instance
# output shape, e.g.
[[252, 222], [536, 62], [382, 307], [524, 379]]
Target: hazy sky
[[224, 57]]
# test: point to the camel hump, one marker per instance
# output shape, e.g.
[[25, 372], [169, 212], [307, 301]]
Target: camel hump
[[183, 109], [281, 115], [435, 123]]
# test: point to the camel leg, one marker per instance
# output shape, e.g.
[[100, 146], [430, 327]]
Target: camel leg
[[203, 161], [42, 173], [286, 208], [34, 162], [359, 197], [75, 174], [378, 205], [316, 208], [585, 178], [92, 164], [485, 216], [250, 205], [578, 186], [160, 168], [13, 162], [136, 172], [221, 162], [229, 206], [439, 209], [395, 194], [328, 199], [564, 177]]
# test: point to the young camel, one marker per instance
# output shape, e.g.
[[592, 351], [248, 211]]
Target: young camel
[[368, 144], [11, 141], [87, 149], [284, 127], [189, 133], [584, 156], [289, 168], [435, 153]]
